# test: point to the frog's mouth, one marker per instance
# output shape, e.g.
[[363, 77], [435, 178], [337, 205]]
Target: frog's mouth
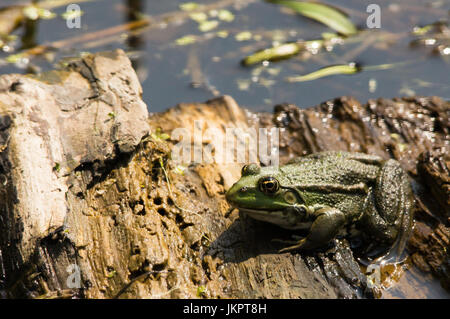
[[259, 211], [281, 218]]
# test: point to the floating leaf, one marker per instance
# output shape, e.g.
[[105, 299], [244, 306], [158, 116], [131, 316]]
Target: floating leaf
[[243, 36], [325, 14], [206, 26], [189, 6], [273, 71], [266, 82], [243, 84], [372, 85], [46, 14], [225, 15], [33, 13], [422, 30], [279, 52], [15, 58], [350, 68], [222, 34], [72, 14], [198, 16], [285, 51], [188, 39], [51, 4], [436, 27]]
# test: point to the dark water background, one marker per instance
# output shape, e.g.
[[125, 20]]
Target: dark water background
[[171, 73]]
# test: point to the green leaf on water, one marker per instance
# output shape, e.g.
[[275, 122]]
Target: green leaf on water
[[323, 13], [73, 14], [33, 12], [225, 15], [15, 58], [189, 6], [188, 39], [278, 52], [285, 51], [222, 34], [206, 26], [198, 17], [350, 68], [243, 36]]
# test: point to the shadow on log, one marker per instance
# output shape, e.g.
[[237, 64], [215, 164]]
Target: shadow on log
[[94, 205]]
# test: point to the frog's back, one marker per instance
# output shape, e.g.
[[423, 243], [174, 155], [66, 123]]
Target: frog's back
[[329, 169]]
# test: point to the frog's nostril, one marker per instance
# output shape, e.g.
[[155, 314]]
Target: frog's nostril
[[243, 189]]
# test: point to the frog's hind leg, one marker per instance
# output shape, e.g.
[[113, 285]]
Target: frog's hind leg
[[389, 214], [395, 201]]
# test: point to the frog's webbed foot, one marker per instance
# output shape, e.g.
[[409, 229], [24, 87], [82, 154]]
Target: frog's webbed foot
[[297, 246], [324, 228], [295, 240]]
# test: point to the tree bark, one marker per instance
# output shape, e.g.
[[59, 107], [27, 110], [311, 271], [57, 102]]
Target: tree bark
[[93, 204]]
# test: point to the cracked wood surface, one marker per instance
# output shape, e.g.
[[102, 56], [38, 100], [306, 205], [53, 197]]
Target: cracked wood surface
[[84, 180]]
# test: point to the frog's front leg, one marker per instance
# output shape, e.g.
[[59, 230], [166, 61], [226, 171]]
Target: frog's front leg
[[326, 226]]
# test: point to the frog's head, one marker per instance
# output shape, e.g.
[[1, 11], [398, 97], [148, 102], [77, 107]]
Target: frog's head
[[263, 193]]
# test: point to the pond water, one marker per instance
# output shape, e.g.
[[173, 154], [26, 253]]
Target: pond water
[[178, 59], [171, 73]]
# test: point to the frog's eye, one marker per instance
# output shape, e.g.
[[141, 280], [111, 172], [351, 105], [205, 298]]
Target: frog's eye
[[250, 169], [268, 185]]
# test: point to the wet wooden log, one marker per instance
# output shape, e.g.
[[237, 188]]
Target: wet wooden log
[[93, 204]]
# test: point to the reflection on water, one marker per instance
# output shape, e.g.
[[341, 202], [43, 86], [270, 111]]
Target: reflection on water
[[414, 284], [171, 73], [180, 57]]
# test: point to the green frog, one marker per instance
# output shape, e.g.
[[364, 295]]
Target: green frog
[[330, 194]]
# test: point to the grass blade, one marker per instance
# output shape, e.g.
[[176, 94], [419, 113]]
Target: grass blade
[[323, 13], [350, 68], [278, 52]]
